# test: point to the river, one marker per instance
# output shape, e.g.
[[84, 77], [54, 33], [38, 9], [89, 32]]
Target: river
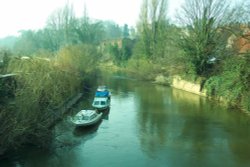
[[149, 126]]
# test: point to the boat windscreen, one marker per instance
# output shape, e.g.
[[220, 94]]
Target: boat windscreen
[[86, 117], [103, 102], [96, 103]]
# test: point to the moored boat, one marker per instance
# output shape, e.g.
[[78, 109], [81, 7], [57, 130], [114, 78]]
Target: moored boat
[[102, 91], [86, 118], [102, 98], [101, 103]]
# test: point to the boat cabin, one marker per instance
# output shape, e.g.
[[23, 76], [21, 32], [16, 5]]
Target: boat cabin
[[101, 102]]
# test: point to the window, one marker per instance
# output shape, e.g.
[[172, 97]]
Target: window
[[96, 103], [85, 117]]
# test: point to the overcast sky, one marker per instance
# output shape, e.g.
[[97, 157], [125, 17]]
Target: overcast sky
[[18, 15]]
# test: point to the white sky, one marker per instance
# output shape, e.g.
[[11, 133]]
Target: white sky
[[18, 15]]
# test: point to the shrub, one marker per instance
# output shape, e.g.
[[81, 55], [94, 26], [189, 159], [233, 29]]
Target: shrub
[[78, 58], [143, 68], [43, 85], [233, 83]]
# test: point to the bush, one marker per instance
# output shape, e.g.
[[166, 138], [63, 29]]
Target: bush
[[143, 68], [43, 85], [233, 83], [78, 58]]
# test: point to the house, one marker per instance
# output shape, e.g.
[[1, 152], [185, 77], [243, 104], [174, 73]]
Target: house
[[240, 43], [243, 43]]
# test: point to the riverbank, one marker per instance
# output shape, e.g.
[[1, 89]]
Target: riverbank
[[178, 83], [63, 108], [174, 81], [198, 86], [55, 116], [44, 90]]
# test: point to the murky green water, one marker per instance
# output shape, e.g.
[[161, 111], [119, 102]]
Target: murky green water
[[148, 125]]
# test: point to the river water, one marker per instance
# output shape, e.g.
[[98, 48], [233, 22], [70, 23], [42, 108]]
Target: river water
[[147, 125]]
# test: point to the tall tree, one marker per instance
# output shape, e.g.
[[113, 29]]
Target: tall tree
[[89, 32], [125, 31], [152, 26], [27, 43], [202, 37], [61, 25]]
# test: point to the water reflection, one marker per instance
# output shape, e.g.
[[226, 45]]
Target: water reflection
[[170, 119], [105, 114], [239, 137], [86, 131], [152, 118]]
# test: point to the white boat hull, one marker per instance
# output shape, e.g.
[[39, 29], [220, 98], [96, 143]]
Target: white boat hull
[[80, 119]]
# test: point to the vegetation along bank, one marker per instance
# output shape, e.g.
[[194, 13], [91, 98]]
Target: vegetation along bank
[[208, 44]]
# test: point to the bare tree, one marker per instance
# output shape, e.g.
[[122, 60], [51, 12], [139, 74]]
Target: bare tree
[[61, 25]]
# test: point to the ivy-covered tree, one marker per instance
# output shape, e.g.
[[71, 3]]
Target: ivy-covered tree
[[203, 36]]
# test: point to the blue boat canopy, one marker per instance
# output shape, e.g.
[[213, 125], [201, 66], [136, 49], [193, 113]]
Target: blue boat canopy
[[102, 93]]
